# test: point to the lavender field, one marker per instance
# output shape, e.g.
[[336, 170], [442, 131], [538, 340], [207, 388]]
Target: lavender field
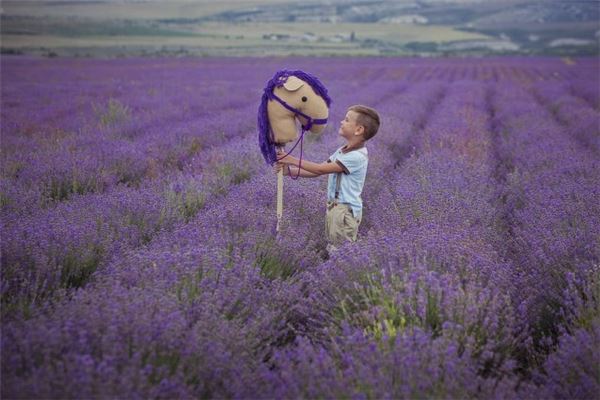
[[140, 260]]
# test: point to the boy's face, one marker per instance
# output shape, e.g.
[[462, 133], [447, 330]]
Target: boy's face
[[349, 127]]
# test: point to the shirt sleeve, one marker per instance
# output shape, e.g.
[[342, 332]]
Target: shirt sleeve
[[351, 161]]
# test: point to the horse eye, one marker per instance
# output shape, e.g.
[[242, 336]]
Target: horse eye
[[304, 99]]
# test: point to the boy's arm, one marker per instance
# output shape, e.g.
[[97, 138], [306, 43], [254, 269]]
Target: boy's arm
[[303, 173], [314, 168], [293, 171]]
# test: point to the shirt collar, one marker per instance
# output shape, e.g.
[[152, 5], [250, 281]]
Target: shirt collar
[[347, 149]]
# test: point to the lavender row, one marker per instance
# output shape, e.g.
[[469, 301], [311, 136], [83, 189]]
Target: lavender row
[[213, 283], [226, 232], [132, 142], [551, 222], [92, 163], [380, 311], [574, 113], [97, 229], [221, 307], [71, 95], [188, 261], [427, 271], [63, 246], [141, 123]]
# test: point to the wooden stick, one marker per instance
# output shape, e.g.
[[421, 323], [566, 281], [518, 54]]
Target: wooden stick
[[279, 197]]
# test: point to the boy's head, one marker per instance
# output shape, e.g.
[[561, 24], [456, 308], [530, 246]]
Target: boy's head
[[366, 119]]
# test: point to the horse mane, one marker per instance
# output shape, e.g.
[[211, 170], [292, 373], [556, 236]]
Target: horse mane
[[265, 136]]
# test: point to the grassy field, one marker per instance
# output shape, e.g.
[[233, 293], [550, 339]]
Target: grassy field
[[113, 29], [399, 33], [255, 27], [143, 10], [191, 45], [213, 37]]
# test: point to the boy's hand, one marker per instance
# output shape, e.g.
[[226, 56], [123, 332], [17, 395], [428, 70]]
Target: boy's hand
[[286, 159], [278, 166]]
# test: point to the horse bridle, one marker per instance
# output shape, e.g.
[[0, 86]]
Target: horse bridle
[[310, 121]]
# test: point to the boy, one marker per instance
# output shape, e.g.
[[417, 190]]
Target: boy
[[347, 169]]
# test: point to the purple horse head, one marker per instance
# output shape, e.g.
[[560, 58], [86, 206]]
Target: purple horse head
[[290, 95]]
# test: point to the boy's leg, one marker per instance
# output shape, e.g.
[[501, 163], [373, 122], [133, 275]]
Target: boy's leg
[[340, 224], [328, 228], [351, 225]]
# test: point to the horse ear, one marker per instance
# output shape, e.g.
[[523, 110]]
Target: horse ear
[[292, 84]]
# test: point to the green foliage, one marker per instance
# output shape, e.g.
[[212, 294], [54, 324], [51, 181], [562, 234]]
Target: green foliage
[[78, 267], [585, 309], [228, 174], [12, 169], [274, 263], [374, 306], [61, 188], [22, 307], [140, 221], [194, 146], [186, 202], [188, 288], [164, 364], [127, 172], [114, 113], [384, 306], [4, 200], [234, 173]]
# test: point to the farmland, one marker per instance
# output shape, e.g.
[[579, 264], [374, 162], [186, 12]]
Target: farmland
[[120, 28], [140, 260]]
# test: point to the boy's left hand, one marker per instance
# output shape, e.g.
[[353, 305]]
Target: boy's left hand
[[291, 160]]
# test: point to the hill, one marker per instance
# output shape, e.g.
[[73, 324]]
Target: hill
[[275, 27]]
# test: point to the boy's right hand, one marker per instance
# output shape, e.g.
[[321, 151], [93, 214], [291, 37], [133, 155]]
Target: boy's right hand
[[277, 167]]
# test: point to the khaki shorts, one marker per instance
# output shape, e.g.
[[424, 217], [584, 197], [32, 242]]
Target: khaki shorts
[[340, 224]]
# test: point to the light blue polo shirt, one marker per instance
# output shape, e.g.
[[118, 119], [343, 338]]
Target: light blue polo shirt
[[355, 164]]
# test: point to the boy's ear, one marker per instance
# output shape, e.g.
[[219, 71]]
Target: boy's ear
[[360, 130]]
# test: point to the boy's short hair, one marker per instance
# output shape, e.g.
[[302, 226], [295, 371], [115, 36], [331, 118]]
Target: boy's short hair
[[368, 118]]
